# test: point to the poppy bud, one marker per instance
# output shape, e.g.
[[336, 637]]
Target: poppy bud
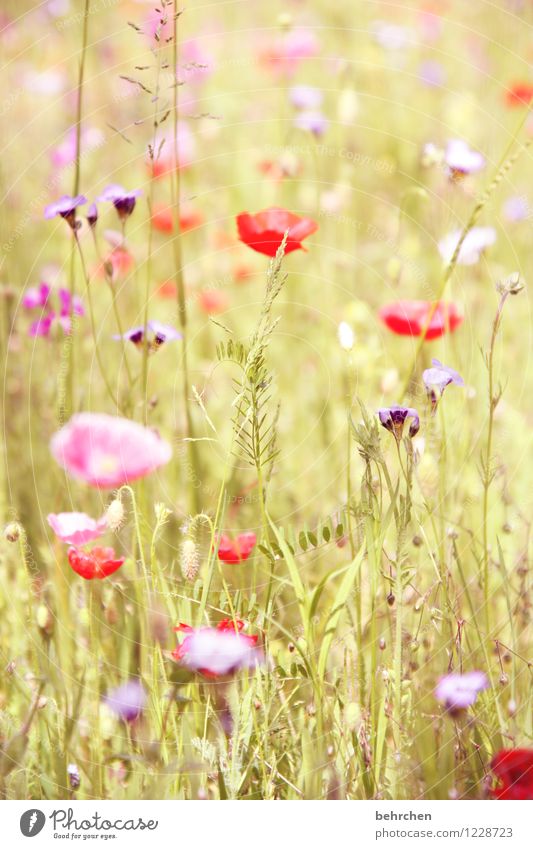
[[115, 514], [190, 562]]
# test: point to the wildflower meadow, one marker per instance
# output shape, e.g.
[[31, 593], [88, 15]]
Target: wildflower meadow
[[266, 479]]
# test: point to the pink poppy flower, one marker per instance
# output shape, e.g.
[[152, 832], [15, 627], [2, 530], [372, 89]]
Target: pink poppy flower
[[108, 451], [76, 528]]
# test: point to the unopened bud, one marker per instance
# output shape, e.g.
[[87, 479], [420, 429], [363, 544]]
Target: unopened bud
[[115, 515], [190, 562], [73, 776], [12, 532]]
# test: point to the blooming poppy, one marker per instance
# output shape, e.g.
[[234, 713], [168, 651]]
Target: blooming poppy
[[394, 418], [96, 563], [459, 690], [514, 770], [410, 318], [76, 528], [108, 451], [217, 651], [519, 93], [237, 550], [264, 231]]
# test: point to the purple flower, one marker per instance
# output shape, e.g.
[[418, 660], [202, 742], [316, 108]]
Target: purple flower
[[92, 215], [516, 208], [37, 296], [313, 122], [459, 691], [128, 700], [219, 652], [159, 333], [432, 73], [438, 378], [463, 160], [42, 298], [66, 208], [122, 200], [305, 97], [394, 418], [477, 240]]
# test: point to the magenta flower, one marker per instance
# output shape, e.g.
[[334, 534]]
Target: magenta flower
[[461, 159], [158, 334], [42, 297], [92, 215], [477, 240], [127, 701], [438, 378], [76, 528], [394, 418], [219, 652], [123, 201], [459, 691], [65, 207], [108, 451]]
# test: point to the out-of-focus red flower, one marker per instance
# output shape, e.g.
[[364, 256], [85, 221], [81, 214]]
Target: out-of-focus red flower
[[96, 563], [225, 626], [264, 231], [514, 771], [121, 262], [167, 289], [518, 94], [212, 301], [236, 550], [163, 218], [409, 318], [242, 273]]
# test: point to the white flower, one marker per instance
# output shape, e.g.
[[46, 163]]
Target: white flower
[[346, 336], [476, 241]]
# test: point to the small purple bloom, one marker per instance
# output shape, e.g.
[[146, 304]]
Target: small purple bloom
[[123, 201], [459, 691], [438, 378], [305, 97], [477, 240], [461, 159], [128, 700], [312, 122], [394, 418], [73, 776], [42, 298], [516, 208], [432, 73], [92, 215], [159, 333], [65, 207]]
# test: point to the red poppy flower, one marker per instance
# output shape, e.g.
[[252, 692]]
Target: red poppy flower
[[163, 218], [519, 94], [264, 231], [167, 289], [409, 318], [514, 770], [97, 563], [237, 550], [242, 273]]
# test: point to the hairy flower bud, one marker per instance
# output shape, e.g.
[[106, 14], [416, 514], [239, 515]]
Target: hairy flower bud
[[190, 561], [115, 514]]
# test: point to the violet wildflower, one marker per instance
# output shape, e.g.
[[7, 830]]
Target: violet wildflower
[[128, 700], [73, 776], [312, 122], [123, 201], [92, 215], [158, 334], [459, 691], [65, 207], [394, 418], [55, 305], [437, 378], [476, 241], [305, 97], [462, 160]]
